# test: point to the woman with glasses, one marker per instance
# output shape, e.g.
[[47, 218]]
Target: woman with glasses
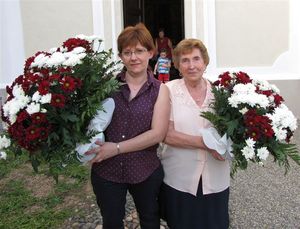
[[128, 160], [195, 191]]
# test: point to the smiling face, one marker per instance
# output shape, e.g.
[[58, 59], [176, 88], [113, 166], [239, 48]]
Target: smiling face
[[136, 59], [191, 65]]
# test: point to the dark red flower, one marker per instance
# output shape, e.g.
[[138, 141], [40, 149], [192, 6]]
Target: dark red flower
[[68, 84], [254, 133], [44, 87], [216, 83], [64, 70], [44, 133], [58, 100], [44, 71], [54, 77], [38, 118], [72, 43], [266, 92], [23, 115], [33, 77], [278, 99], [28, 62], [32, 133], [243, 78], [225, 79]]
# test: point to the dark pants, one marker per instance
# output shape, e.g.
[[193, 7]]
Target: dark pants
[[111, 199], [182, 210]]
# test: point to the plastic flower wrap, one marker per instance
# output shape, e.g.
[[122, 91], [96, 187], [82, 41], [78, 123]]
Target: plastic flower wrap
[[49, 107], [251, 115]]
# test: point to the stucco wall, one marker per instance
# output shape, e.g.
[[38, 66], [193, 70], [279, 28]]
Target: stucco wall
[[47, 23]]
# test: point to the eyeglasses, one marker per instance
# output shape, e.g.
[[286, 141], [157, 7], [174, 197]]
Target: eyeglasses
[[137, 53]]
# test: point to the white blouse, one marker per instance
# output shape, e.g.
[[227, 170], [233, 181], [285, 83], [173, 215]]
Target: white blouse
[[184, 167]]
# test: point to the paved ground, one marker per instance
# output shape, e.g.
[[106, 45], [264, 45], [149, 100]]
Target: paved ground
[[262, 197]]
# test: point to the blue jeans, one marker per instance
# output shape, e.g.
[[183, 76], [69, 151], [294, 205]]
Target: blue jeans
[[111, 199]]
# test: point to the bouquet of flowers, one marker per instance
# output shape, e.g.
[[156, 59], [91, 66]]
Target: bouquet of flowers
[[256, 122], [50, 106]]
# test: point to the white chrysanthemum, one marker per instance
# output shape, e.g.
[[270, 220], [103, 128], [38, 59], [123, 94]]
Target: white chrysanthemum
[[23, 101], [46, 98], [275, 89], [52, 50], [74, 59], [4, 142], [78, 50], [244, 88], [12, 119], [252, 99], [39, 61], [18, 91], [280, 134], [282, 118], [3, 155], [12, 107], [243, 111], [262, 84], [36, 97], [263, 153], [248, 153], [55, 59], [250, 142], [33, 108], [43, 110]]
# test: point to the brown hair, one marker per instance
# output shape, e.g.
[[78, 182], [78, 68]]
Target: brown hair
[[186, 46], [132, 35]]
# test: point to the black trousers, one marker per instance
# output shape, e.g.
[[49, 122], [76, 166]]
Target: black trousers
[[111, 199]]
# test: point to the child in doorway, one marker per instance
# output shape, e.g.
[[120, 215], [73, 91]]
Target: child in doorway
[[162, 67]]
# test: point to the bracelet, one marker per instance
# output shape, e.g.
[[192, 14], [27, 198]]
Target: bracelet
[[118, 148]]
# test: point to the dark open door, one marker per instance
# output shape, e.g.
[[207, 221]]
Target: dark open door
[[133, 11], [156, 14]]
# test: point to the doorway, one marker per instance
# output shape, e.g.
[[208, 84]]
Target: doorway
[[156, 14]]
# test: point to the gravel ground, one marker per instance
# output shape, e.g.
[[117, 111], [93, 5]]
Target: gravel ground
[[260, 197]]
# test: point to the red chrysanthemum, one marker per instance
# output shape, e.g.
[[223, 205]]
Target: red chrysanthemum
[[278, 99], [32, 133], [72, 43], [23, 115], [68, 84], [58, 100], [38, 118], [44, 87], [225, 79], [243, 78]]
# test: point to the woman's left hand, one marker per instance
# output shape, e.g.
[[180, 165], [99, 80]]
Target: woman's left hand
[[104, 151], [216, 155]]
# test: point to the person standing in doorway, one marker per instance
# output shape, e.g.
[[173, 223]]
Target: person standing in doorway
[[128, 160], [162, 67], [162, 42]]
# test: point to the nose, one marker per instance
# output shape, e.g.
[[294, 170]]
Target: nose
[[133, 55]]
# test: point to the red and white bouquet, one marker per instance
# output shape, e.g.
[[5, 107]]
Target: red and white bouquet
[[50, 106], [253, 116]]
